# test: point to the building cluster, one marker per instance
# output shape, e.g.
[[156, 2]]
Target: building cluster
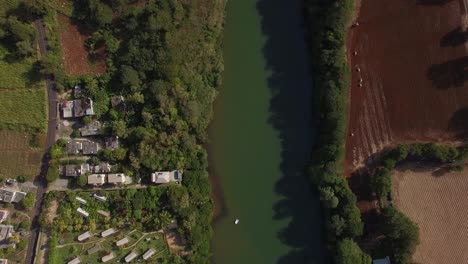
[[77, 108]]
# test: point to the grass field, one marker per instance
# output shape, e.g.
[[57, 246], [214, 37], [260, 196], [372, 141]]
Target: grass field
[[16, 155], [6, 5], [23, 110], [438, 203]]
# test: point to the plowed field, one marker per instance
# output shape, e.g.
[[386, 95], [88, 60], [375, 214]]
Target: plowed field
[[438, 205], [412, 58], [75, 55]]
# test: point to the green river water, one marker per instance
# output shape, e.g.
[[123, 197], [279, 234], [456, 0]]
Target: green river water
[[261, 140]]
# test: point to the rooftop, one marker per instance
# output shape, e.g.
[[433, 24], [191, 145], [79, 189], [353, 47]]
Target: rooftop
[[108, 232], [11, 196], [166, 176], [83, 107], [130, 256], [122, 241], [91, 129], [90, 147], [108, 257], [96, 179], [82, 212], [116, 178], [76, 170], [112, 142], [74, 147], [5, 232], [84, 236], [75, 261], [148, 254]]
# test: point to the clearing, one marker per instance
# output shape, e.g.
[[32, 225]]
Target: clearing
[[17, 157], [439, 205], [412, 59], [75, 55]]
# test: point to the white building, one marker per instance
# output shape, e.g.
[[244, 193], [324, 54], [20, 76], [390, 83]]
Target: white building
[[82, 212], [148, 254], [122, 242], [108, 232], [84, 236], [130, 256]]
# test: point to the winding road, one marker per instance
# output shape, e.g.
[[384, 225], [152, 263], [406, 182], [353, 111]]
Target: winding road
[[40, 180]]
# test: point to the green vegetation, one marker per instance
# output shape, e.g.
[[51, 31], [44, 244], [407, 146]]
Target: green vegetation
[[328, 22], [29, 201], [52, 173]]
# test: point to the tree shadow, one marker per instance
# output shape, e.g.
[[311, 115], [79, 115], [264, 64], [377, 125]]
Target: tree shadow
[[450, 74], [290, 114], [454, 38], [433, 2]]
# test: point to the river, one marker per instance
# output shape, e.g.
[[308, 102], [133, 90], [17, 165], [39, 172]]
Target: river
[[261, 140]]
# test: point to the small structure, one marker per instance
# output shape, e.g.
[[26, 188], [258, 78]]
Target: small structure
[[107, 257], [74, 147], [166, 176], [122, 242], [116, 178], [77, 91], [108, 232], [91, 129], [67, 109], [112, 142], [3, 216], [103, 167], [81, 200], [130, 256], [83, 107], [100, 198], [82, 212], [94, 249], [149, 253], [84, 236], [11, 196], [90, 147], [103, 213], [118, 101], [3, 261], [6, 231], [385, 260], [96, 179], [76, 170], [75, 261]]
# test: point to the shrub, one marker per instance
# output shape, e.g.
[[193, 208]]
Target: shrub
[[52, 173], [348, 252], [382, 183]]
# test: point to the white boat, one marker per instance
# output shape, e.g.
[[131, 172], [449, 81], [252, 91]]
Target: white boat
[[236, 222]]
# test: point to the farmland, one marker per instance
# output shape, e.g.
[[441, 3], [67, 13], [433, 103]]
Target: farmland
[[438, 205], [411, 58], [17, 156], [23, 110]]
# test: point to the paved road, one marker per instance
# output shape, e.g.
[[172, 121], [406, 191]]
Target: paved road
[[40, 181]]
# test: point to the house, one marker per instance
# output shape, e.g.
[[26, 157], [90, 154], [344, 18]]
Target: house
[[166, 176], [122, 241], [116, 178], [118, 101], [81, 200], [77, 91], [103, 213], [84, 236], [11, 196], [75, 261], [3, 215], [103, 167], [107, 257], [108, 232], [149, 253], [3, 261], [130, 256], [91, 129], [83, 107], [76, 170], [67, 109], [385, 260], [96, 179], [100, 198], [112, 142], [6, 231], [90, 147], [74, 147], [82, 212]]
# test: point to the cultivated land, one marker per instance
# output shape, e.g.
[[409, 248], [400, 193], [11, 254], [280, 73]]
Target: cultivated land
[[17, 156], [413, 64], [439, 205], [75, 55]]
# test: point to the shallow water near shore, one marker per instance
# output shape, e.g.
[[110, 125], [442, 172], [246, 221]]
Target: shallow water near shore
[[261, 139]]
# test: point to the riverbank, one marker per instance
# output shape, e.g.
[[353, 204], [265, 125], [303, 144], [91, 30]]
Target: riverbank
[[260, 140]]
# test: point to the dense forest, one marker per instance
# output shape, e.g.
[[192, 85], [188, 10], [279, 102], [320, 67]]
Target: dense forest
[[164, 58]]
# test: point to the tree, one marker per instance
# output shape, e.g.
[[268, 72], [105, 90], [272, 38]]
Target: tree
[[87, 120], [328, 198], [52, 173], [82, 180], [382, 183], [348, 252], [119, 128], [57, 151], [337, 224], [129, 76], [28, 201], [25, 224]]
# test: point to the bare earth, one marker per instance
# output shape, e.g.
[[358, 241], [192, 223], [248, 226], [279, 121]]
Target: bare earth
[[412, 58], [439, 205]]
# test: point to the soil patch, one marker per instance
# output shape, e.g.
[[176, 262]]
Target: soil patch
[[410, 66], [439, 205], [75, 55]]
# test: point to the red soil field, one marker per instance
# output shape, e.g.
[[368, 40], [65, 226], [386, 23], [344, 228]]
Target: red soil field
[[75, 55], [413, 61]]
